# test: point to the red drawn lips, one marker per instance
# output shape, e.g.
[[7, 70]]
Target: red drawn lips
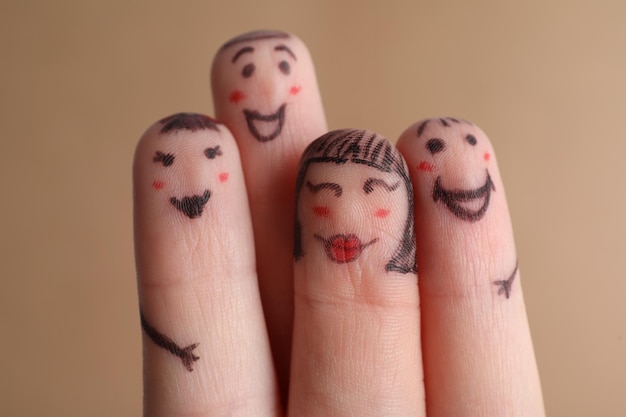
[[343, 248]]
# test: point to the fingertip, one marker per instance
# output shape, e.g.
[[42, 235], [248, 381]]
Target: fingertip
[[188, 181], [261, 83], [353, 187], [461, 211]]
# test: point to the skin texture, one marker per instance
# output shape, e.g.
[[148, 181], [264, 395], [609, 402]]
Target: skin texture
[[475, 336], [270, 165], [194, 270], [284, 282], [352, 296]]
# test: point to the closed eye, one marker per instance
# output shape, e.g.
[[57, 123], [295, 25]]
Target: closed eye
[[167, 159], [315, 188], [370, 183], [213, 153]]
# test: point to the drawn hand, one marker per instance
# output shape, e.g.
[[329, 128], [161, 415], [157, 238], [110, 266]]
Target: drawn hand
[[277, 271]]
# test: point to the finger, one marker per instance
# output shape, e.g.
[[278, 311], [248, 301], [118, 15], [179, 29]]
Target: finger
[[356, 329], [478, 354], [265, 91], [205, 345]]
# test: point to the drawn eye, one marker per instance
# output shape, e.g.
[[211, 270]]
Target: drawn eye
[[284, 67], [435, 145], [470, 139], [167, 159], [248, 70], [212, 153]]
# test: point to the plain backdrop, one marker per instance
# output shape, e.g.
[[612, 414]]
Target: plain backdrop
[[81, 80]]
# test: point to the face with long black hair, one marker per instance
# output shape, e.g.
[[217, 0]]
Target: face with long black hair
[[354, 198]]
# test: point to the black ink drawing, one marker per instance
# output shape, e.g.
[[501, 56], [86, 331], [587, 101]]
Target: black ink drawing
[[445, 121], [263, 127], [368, 187], [505, 285], [254, 117], [192, 206], [256, 36], [213, 152], [454, 199], [458, 201], [185, 354], [188, 121], [167, 159], [357, 147], [336, 188]]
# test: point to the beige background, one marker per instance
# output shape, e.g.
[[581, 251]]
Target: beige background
[[81, 80]]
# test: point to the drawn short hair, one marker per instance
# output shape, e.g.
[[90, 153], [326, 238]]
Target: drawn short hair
[[188, 121], [255, 36], [368, 148]]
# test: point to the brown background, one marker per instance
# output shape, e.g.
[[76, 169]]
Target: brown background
[[81, 80]]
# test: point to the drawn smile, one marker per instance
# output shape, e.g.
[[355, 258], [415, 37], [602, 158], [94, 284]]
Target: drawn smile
[[265, 127], [458, 200], [191, 206], [343, 248]]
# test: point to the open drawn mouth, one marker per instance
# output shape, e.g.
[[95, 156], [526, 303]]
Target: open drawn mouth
[[265, 127], [342, 248], [191, 206], [461, 202]]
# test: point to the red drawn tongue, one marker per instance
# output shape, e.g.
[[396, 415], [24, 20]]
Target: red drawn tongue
[[345, 248]]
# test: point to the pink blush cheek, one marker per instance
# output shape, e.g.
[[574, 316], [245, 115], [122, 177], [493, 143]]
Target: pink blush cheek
[[321, 211], [382, 213], [487, 156], [426, 166], [223, 177], [295, 90], [236, 96], [158, 185]]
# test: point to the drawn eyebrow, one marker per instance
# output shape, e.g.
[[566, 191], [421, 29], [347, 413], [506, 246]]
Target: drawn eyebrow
[[242, 51], [421, 127], [286, 49], [314, 188], [368, 187]]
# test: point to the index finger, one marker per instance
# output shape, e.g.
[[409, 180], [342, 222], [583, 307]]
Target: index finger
[[265, 91]]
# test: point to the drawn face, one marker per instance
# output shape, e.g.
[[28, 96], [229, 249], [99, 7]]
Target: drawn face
[[260, 75], [449, 142], [191, 164], [354, 199]]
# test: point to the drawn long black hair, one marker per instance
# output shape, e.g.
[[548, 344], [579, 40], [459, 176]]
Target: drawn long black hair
[[368, 148]]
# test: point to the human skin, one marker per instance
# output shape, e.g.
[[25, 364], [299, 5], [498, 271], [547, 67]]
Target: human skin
[[475, 335], [371, 337], [185, 260], [283, 77]]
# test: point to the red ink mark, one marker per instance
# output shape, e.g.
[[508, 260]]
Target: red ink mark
[[224, 176], [236, 96], [382, 213], [425, 166], [295, 89], [487, 156], [345, 248], [157, 185], [321, 211]]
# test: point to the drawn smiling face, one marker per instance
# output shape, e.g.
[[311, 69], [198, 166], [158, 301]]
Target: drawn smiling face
[[448, 140], [354, 197], [182, 163], [260, 74], [341, 201]]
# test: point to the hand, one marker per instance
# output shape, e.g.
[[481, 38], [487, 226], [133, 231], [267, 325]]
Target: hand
[[328, 318]]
